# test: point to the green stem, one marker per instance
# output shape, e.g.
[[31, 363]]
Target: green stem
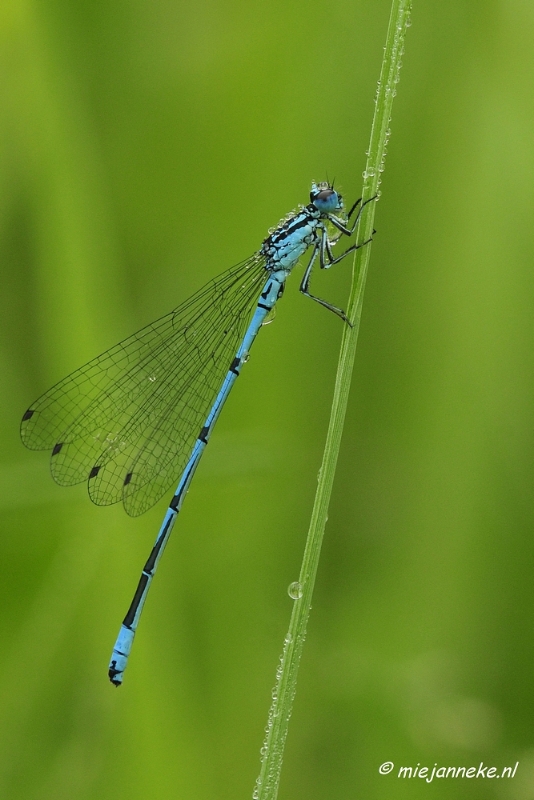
[[286, 678]]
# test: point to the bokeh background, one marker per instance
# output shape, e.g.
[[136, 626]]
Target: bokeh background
[[147, 146]]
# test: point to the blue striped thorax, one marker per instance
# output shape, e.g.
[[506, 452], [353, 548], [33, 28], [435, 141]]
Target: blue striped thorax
[[294, 234]]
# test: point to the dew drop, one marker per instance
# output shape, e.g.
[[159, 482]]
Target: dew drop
[[294, 590], [270, 316]]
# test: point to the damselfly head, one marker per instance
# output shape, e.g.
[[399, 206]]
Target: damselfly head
[[325, 198]]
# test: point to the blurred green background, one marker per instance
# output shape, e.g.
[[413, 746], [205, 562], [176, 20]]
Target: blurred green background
[[147, 146]]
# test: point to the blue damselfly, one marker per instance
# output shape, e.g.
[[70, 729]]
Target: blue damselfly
[[137, 418]]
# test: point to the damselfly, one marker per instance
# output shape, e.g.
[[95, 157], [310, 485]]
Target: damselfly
[[137, 418]]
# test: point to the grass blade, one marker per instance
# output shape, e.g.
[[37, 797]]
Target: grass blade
[[286, 677]]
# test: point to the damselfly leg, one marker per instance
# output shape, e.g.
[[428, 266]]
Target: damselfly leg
[[326, 257]]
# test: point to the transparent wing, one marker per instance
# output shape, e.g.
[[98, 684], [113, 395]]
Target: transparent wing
[[126, 422]]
